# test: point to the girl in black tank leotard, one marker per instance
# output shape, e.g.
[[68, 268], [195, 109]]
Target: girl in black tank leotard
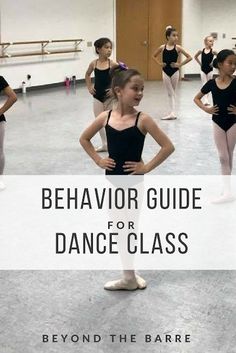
[[101, 91], [223, 111], [207, 56], [170, 67], [102, 81], [124, 145], [11, 99], [126, 129], [170, 56]]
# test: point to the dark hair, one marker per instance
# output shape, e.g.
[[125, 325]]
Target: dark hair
[[99, 43], [221, 57], [169, 30], [121, 76]]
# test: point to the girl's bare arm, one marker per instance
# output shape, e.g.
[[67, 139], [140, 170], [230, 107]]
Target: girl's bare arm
[[11, 99]]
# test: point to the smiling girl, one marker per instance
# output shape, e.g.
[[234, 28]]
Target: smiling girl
[[126, 129]]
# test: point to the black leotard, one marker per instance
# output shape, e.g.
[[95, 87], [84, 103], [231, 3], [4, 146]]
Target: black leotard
[[223, 98], [124, 145], [206, 61], [168, 57], [102, 82], [3, 85]]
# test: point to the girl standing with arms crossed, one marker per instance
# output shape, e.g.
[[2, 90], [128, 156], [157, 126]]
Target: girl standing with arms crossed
[[101, 89], [223, 90], [206, 63], [11, 99], [170, 66], [126, 129]]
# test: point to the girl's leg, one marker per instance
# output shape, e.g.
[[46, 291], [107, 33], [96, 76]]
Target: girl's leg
[[204, 79], [170, 84], [2, 157], [220, 137], [225, 142], [130, 279], [98, 108], [231, 141], [174, 82]]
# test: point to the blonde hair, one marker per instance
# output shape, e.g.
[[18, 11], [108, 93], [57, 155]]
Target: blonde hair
[[206, 38]]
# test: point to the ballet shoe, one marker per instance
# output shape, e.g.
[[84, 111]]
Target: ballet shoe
[[101, 149], [142, 284], [2, 186], [121, 284], [169, 117], [224, 199]]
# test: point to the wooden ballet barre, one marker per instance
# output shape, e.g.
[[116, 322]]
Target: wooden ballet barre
[[40, 53], [43, 51], [42, 41], [67, 40]]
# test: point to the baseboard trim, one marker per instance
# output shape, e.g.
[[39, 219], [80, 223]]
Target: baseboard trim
[[194, 77], [47, 86]]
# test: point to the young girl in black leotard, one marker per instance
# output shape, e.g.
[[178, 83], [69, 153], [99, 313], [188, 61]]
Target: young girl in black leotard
[[170, 66], [126, 129], [206, 63], [11, 99], [223, 90], [101, 89]]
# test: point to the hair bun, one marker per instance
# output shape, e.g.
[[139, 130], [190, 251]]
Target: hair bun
[[118, 68], [168, 27], [122, 66]]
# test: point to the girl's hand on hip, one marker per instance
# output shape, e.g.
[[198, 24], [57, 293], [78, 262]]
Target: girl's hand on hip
[[135, 167], [212, 110], [92, 90], [232, 109], [106, 163], [175, 65], [109, 92]]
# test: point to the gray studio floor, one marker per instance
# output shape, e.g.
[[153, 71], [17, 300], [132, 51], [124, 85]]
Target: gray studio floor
[[42, 138]]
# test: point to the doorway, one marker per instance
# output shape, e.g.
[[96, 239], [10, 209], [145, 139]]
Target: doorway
[[140, 29]]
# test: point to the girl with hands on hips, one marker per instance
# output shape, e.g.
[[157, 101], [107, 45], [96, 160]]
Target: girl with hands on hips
[[223, 90], [101, 90], [126, 129], [170, 64]]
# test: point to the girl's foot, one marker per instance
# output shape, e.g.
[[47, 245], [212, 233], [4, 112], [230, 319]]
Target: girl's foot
[[2, 185], [169, 117], [122, 284], [224, 199], [141, 282], [101, 148]]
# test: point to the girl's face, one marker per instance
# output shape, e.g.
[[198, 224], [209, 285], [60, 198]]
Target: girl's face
[[132, 93], [173, 38], [209, 42], [105, 51], [228, 66]]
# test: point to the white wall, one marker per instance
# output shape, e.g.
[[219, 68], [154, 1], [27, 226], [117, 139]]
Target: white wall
[[219, 16], [27, 20], [191, 32], [89, 19], [200, 18]]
